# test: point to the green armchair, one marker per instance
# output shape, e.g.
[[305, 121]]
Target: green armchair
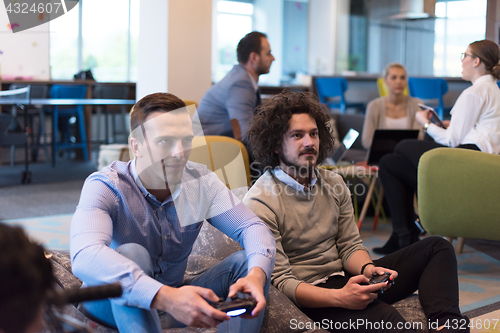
[[459, 194]]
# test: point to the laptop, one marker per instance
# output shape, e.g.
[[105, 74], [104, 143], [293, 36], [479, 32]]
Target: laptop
[[346, 144], [384, 142]]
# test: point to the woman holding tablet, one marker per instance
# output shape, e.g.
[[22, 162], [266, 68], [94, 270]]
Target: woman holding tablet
[[474, 124], [394, 111]]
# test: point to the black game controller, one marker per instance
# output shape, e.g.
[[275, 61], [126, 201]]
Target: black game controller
[[376, 278], [236, 306], [380, 278]]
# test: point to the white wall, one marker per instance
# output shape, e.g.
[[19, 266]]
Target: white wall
[[189, 48], [153, 48], [328, 36], [23, 54], [268, 19], [175, 41]]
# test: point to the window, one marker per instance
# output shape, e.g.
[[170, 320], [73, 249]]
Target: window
[[64, 45], [108, 42], [458, 24], [234, 20], [295, 37], [285, 22]]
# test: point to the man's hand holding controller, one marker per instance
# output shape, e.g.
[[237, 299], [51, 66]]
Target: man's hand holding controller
[[377, 275], [384, 278], [236, 306]]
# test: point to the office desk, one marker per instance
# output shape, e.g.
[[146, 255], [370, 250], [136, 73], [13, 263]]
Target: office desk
[[22, 102]]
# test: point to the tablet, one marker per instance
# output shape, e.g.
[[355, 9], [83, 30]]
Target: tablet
[[435, 118]]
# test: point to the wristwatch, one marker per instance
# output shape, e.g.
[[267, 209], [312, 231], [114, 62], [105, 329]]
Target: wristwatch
[[426, 126]]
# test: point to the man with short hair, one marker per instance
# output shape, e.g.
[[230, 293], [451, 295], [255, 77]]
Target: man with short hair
[[227, 107], [136, 223], [26, 276], [321, 263]]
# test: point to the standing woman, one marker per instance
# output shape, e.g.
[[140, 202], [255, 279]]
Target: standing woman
[[474, 124], [394, 111]]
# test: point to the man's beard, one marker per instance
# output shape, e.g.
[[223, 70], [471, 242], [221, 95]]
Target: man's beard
[[305, 171], [261, 69]]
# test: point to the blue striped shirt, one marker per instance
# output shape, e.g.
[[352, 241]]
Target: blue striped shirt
[[115, 209]]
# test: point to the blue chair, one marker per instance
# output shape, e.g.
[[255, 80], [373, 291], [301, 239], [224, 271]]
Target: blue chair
[[329, 88], [430, 88], [63, 113]]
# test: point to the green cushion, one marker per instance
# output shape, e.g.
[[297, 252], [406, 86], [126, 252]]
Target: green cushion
[[459, 193]]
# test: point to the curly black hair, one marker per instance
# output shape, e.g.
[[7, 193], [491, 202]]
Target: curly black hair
[[271, 122], [26, 277]]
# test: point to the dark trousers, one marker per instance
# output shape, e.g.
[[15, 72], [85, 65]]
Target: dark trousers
[[429, 266], [398, 173]]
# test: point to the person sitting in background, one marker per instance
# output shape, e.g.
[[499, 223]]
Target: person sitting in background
[[474, 124], [26, 276], [321, 263], [136, 223], [227, 107], [394, 111]]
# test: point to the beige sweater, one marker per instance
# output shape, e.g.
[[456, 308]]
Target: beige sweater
[[315, 231], [375, 119]]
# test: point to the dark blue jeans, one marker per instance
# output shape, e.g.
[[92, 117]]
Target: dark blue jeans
[[136, 320]]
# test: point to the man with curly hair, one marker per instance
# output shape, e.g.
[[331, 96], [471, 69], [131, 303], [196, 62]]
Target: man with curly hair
[[321, 263]]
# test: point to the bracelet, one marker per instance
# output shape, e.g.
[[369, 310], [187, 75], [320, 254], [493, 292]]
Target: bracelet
[[364, 266]]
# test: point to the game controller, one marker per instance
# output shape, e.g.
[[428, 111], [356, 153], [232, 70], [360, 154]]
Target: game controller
[[376, 278], [236, 306]]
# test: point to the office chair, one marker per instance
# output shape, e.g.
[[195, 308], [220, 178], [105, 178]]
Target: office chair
[[36, 91], [64, 114], [191, 102], [383, 90], [332, 89], [430, 88], [11, 134], [14, 138], [225, 156]]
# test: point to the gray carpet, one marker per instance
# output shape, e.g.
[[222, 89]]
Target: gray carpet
[[53, 191], [43, 173], [36, 200], [483, 310]]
